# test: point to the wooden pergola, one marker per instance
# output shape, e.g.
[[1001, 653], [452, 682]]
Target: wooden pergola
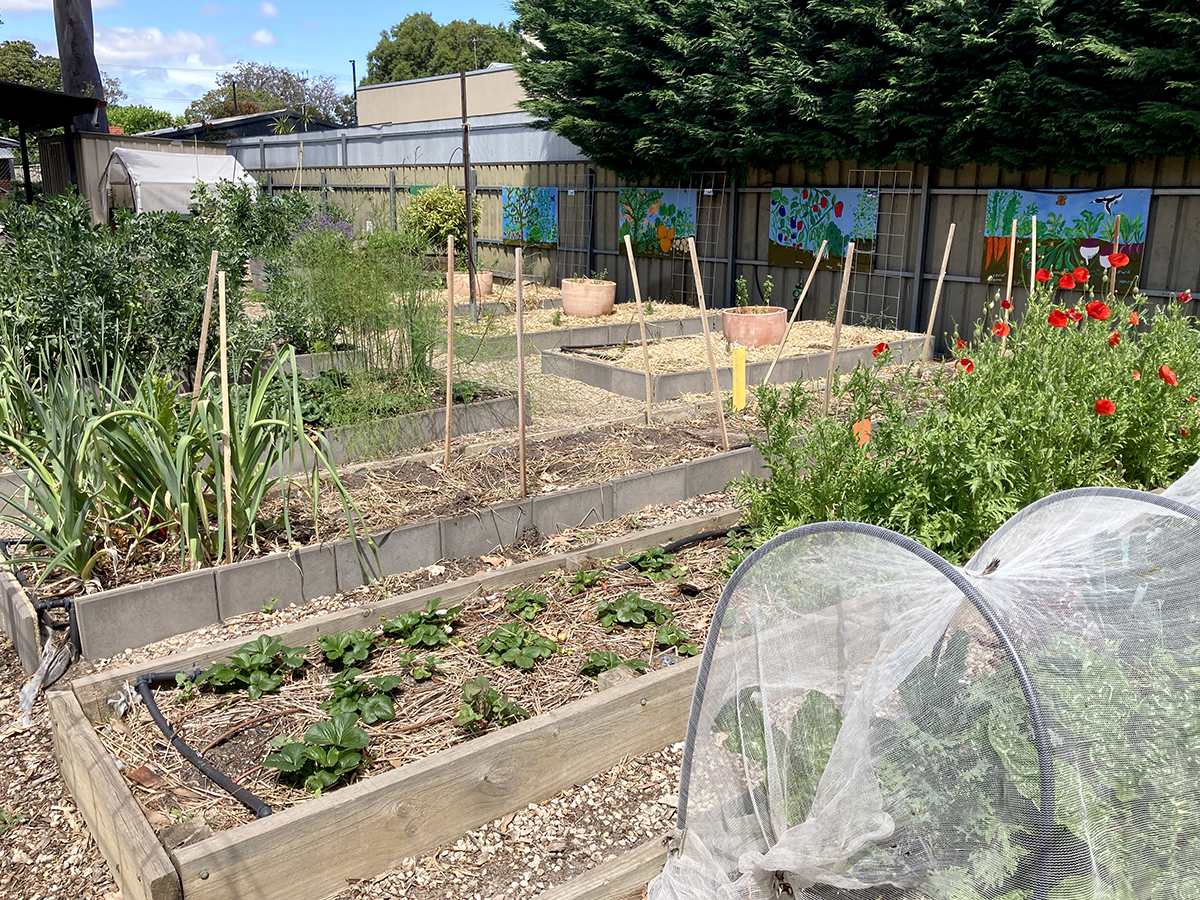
[[37, 109]]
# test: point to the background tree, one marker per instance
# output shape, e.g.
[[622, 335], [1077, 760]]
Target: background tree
[[137, 118], [648, 87], [262, 88], [418, 47]]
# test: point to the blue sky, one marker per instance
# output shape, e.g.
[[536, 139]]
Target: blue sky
[[167, 54]]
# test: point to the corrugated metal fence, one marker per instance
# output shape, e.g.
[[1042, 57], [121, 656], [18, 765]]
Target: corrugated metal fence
[[917, 205]]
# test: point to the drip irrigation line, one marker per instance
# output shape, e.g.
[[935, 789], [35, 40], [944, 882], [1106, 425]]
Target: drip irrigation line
[[144, 687], [691, 539]]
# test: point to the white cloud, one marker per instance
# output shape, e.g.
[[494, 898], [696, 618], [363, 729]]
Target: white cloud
[[261, 38], [118, 44], [29, 7], [268, 10]]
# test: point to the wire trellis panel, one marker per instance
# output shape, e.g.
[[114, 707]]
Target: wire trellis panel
[[712, 189], [875, 294], [575, 212]]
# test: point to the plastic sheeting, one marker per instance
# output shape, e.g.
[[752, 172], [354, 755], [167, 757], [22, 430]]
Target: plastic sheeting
[[870, 721], [152, 181]]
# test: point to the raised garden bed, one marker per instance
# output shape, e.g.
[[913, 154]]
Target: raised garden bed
[[310, 850], [678, 366]]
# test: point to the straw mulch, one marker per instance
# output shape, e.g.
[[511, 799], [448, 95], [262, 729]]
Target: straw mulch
[[538, 319]]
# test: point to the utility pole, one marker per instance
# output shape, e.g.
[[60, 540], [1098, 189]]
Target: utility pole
[[77, 59], [462, 77], [236, 111]]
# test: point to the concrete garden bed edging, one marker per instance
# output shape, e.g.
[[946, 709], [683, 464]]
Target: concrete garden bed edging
[[669, 385], [599, 335], [122, 618]]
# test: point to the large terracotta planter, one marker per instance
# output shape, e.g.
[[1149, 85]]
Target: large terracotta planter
[[754, 326], [588, 297], [462, 284]]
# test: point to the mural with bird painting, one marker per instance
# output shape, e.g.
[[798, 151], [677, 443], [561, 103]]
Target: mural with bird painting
[[801, 218], [1075, 229], [658, 220]]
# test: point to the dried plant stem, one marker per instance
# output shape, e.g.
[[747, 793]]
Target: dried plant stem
[[449, 342]]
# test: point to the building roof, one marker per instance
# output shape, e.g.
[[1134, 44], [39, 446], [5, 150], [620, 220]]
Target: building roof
[[37, 108], [232, 124], [494, 67]]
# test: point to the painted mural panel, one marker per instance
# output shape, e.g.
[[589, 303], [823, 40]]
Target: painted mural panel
[[658, 220], [530, 216], [1074, 228], [803, 217]]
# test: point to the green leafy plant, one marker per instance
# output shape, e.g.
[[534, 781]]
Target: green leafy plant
[[515, 645], [602, 660], [430, 627], [524, 603], [556, 319], [674, 636], [268, 605], [584, 580], [421, 669], [632, 610], [329, 752], [741, 292], [347, 647], [484, 705], [365, 697], [185, 688], [258, 666], [439, 212], [740, 545], [656, 564], [9, 820]]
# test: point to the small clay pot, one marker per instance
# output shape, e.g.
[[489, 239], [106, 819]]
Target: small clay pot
[[587, 297], [462, 284], [754, 326]]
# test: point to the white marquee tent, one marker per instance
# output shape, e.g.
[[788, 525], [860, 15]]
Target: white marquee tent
[[150, 181]]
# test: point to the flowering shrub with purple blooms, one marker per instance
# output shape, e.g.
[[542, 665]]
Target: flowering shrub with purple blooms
[[325, 222]]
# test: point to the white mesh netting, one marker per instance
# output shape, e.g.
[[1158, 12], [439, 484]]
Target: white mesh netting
[[872, 722]]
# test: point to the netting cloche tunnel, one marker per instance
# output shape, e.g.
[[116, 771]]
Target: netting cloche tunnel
[[871, 721]]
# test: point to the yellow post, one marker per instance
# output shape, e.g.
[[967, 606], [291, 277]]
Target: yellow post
[[739, 377]]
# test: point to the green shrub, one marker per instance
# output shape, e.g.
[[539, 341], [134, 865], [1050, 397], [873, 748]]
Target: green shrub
[[439, 212]]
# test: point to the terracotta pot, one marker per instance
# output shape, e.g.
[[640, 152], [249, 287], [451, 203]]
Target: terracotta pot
[[754, 326], [462, 284], [587, 298]]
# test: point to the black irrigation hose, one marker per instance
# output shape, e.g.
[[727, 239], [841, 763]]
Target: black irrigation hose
[[144, 686], [689, 540]]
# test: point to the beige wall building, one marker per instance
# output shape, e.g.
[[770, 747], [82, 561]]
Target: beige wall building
[[489, 91]]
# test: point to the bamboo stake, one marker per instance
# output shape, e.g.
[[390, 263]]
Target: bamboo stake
[[226, 454], [637, 297], [449, 343], [521, 371], [712, 360], [1033, 257], [1112, 282], [796, 312], [837, 327], [208, 295], [1012, 258], [937, 294]]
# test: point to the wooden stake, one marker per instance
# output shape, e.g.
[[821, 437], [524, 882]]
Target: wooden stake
[[712, 360], [937, 294], [208, 295], [637, 297], [227, 431], [1033, 256], [449, 343], [1012, 258], [837, 328], [796, 312], [521, 371], [1112, 281]]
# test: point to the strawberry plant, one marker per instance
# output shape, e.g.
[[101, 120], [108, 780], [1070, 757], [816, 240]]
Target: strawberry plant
[[602, 660], [366, 698], [673, 636], [524, 603], [484, 705], [328, 753], [347, 647], [584, 580], [632, 610], [430, 627], [656, 564], [258, 666], [516, 646]]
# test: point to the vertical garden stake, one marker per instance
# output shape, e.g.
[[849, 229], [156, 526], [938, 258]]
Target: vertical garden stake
[[449, 343], [521, 371], [1112, 281], [1012, 258], [739, 378], [712, 362], [796, 312], [637, 300], [226, 430], [1033, 256], [937, 294], [212, 276], [837, 328]]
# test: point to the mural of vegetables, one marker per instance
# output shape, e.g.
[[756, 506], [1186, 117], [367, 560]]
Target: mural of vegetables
[[1075, 229], [658, 220], [801, 218], [529, 216]]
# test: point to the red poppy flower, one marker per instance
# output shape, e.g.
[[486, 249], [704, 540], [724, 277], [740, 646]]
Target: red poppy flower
[[1080, 275], [1058, 319], [1105, 407], [1191, 399], [965, 366], [1184, 296], [1006, 304], [1133, 318], [960, 344], [1042, 275], [1098, 310], [1001, 329], [1184, 431], [1074, 315], [1165, 373], [881, 347], [1114, 339], [1116, 260], [1066, 282], [1137, 376]]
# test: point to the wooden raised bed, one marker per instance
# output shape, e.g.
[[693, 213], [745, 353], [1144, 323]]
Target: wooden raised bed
[[307, 852]]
